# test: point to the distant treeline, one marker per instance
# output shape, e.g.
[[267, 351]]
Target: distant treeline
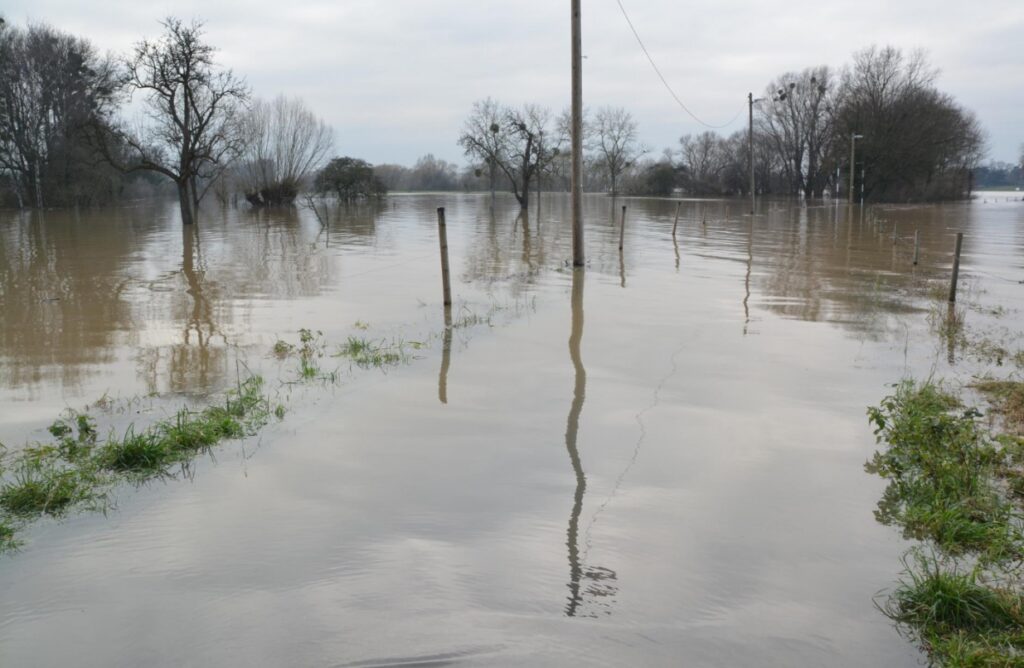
[[199, 131], [911, 141], [996, 174]]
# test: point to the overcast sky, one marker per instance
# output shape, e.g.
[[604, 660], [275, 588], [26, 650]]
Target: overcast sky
[[396, 78]]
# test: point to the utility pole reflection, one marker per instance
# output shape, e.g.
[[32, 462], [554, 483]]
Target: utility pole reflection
[[579, 574], [572, 428]]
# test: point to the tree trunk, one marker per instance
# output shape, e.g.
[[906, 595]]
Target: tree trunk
[[185, 202], [38, 187]]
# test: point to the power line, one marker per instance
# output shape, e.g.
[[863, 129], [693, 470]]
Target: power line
[[665, 81]]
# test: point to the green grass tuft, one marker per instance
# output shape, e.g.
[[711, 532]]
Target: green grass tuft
[[136, 452], [961, 621], [45, 487], [367, 354]]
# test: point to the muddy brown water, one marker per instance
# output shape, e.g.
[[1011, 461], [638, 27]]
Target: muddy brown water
[[655, 461]]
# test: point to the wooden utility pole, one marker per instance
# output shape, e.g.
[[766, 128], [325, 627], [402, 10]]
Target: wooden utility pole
[[750, 141], [577, 137]]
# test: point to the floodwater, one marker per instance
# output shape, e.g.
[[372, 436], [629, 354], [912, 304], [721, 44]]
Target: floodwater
[[654, 461]]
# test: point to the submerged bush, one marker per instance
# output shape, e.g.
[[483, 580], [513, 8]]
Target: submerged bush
[[941, 468], [952, 483]]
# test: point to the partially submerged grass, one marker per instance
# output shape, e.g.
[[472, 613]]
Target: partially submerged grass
[[951, 483], [77, 470], [959, 620], [152, 451], [949, 323], [7, 539], [941, 467], [47, 486], [366, 353], [1007, 399], [309, 351], [936, 598]]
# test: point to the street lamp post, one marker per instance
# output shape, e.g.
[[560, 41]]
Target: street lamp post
[[750, 141], [853, 166]]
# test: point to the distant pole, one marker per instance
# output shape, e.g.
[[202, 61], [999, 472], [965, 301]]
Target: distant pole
[[862, 172], [956, 267], [540, 171], [442, 232], [917, 246], [577, 137], [538, 197], [676, 223], [853, 164], [622, 228], [750, 142]]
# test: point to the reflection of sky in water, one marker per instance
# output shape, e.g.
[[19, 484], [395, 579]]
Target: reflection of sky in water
[[513, 523]]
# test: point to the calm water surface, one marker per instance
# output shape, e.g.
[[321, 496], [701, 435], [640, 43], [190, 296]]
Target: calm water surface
[[655, 461]]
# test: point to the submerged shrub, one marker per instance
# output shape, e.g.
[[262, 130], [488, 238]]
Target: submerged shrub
[[953, 484], [941, 468]]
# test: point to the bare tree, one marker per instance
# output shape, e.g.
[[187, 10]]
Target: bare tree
[[703, 160], [614, 140], [798, 120], [430, 173], [284, 144], [191, 131], [515, 141], [52, 86], [918, 143]]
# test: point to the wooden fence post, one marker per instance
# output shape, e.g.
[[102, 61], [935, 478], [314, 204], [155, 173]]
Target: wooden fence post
[[443, 236], [956, 267]]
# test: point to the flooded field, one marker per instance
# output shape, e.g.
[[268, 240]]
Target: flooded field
[[657, 460]]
